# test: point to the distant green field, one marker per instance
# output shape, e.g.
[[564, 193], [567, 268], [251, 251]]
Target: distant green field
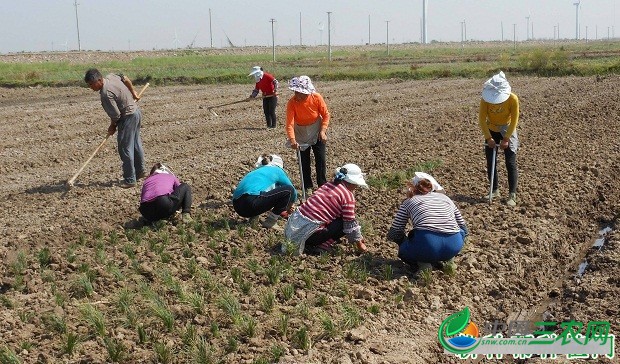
[[415, 61]]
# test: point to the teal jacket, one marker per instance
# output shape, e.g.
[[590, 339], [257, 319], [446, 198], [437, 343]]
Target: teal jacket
[[263, 179]]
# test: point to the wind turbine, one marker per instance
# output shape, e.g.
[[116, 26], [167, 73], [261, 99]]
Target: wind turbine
[[191, 45], [321, 27], [175, 42], [527, 30], [577, 3]]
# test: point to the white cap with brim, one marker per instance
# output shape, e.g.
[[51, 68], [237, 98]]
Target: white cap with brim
[[421, 175], [497, 89], [301, 84], [353, 174]]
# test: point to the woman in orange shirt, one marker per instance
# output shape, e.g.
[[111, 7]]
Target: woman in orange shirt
[[307, 119]]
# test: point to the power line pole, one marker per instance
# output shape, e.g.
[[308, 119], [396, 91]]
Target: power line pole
[[424, 24], [329, 35], [387, 36], [514, 35], [273, 40], [77, 23], [421, 31], [210, 29]]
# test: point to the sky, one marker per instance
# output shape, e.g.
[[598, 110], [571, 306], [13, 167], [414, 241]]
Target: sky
[[117, 25]]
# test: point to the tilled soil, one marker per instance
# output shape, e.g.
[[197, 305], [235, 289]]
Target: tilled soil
[[518, 262]]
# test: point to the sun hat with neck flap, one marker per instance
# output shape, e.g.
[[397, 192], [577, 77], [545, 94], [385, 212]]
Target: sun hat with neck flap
[[257, 72], [352, 173], [301, 84], [496, 89]]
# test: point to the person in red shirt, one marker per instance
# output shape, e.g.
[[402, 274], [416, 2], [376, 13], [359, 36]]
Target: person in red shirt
[[307, 119], [328, 215], [268, 85]]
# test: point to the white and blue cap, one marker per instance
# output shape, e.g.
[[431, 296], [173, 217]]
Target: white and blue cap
[[351, 173]]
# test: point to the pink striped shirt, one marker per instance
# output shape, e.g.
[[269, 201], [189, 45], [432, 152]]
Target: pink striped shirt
[[330, 202]]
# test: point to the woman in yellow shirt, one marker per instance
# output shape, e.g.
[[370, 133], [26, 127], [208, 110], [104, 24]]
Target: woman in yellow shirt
[[498, 119], [307, 119]]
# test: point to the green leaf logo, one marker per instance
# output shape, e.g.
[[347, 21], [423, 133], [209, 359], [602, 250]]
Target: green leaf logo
[[453, 325], [457, 322]]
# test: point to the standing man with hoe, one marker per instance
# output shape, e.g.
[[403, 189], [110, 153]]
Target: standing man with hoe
[[118, 99], [268, 85], [498, 119]]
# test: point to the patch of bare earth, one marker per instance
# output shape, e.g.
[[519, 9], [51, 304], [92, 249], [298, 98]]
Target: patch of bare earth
[[74, 271]]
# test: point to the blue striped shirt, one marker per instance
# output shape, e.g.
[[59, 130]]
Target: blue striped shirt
[[432, 211]]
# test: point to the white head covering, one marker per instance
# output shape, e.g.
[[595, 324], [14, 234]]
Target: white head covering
[[257, 73], [352, 174], [421, 175], [497, 89], [163, 169], [276, 160], [302, 84]]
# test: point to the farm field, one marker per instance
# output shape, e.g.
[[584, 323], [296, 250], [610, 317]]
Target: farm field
[[81, 281]]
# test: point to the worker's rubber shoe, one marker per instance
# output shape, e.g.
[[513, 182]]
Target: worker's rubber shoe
[[186, 217], [424, 266], [512, 199], [495, 193], [270, 221], [125, 184]]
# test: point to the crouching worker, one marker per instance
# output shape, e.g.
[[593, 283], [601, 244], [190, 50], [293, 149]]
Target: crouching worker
[[267, 188], [328, 215], [438, 228], [163, 195]]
